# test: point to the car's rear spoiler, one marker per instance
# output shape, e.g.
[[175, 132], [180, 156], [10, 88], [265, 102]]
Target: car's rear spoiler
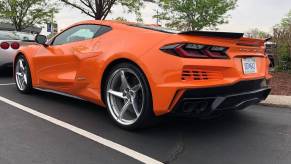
[[213, 34], [268, 39]]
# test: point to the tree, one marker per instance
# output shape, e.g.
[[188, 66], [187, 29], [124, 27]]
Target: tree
[[286, 21], [282, 37], [195, 14], [99, 9], [121, 19], [26, 13], [258, 34]]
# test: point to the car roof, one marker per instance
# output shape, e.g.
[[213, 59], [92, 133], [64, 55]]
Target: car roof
[[102, 22], [112, 23], [15, 35], [125, 25]]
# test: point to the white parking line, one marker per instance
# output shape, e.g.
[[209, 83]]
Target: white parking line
[[122, 149], [7, 84]]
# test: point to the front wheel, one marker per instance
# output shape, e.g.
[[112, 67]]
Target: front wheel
[[128, 97], [22, 75]]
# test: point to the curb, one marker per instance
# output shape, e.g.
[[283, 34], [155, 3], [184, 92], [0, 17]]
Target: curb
[[278, 101]]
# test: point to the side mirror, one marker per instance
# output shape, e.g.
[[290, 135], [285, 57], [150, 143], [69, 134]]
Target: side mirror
[[41, 39]]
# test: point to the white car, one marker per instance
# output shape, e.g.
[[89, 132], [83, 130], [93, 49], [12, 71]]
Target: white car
[[10, 42]]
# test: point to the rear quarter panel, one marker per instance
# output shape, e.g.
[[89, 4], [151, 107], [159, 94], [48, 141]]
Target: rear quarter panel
[[123, 43]]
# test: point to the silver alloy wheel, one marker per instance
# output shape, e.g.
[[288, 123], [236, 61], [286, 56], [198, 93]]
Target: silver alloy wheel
[[21, 74], [125, 96]]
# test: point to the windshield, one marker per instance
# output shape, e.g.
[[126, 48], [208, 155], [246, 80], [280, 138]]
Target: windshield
[[12, 35], [155, 28]]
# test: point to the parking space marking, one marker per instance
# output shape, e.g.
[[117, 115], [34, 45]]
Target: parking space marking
[[122, 149], [7, 84]]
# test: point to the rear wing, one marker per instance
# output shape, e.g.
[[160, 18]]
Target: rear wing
[[240, 40], [251, 42]]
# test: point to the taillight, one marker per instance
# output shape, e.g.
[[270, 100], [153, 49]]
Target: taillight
[[4, 45], [15, 45], [189, 50]]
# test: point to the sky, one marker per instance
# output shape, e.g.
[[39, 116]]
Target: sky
[[249, 14]]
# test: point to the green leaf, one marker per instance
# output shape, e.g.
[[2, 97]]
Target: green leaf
[[195, 14], [27, 13]]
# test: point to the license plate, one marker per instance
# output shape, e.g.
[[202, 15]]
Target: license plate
[[249, 65]]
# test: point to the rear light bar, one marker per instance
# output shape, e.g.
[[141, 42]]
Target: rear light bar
[[190, 50], [6, 45]]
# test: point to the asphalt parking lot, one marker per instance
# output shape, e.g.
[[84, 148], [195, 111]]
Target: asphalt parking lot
[[256, 135]]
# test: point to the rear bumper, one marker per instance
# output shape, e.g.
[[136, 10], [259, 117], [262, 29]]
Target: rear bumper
[[235, 97], [6, 57]]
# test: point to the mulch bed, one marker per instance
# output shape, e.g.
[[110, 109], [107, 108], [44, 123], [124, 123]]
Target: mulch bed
[[281, 84]]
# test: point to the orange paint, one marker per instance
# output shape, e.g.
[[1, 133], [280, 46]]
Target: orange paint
[[77, 68]]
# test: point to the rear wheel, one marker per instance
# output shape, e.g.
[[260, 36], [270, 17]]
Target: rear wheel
[[22, 75], [128, 98]]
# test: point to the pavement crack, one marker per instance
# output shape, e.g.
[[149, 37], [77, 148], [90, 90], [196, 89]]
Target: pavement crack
[[176, 151]]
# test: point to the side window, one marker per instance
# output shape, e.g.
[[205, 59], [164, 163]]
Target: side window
[[103, 30], [79, 33]]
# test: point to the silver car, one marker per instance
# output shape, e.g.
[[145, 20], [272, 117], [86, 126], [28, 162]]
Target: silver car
[[10, 42]]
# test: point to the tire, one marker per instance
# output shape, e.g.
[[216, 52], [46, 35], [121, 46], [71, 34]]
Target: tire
[[127, 95], [22, 75]]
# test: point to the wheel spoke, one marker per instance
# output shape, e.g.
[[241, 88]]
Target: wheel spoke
[[123, 110], [19, 74], [136, 88], [21, 64], [117, 94], [25, 79], [22, 82], [135, 107], [124, 82]]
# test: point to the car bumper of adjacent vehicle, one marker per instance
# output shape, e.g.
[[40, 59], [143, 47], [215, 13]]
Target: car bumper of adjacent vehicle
[[6, 58], [205, 101]]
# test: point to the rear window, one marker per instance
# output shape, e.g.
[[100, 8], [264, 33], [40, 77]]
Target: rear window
[[12, 35], [154, 28]]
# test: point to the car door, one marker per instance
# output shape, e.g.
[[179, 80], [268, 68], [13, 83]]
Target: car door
[[58, 64]]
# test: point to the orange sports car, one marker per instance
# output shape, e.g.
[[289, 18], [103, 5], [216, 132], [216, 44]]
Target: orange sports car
[[142, 71]]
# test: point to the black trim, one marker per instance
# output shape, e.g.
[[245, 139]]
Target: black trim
[[205, 101], [102, 30], [6, 65], [214, 34], [153, 28], [240, 87], [28, 41]]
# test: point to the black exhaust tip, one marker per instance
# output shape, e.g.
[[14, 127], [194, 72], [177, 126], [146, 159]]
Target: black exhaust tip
[[195, 107]]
